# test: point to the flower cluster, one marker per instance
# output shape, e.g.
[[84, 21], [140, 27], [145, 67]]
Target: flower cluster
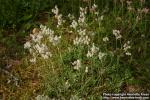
[[38, 47], [105, 39], [126, 47], [82, 17], [70, 16], [67, 84], [144, 10], [86, 69], [93, 9], [77, 64], [101, 55], [82, 38], [93, 50], [58, 16], [117, 34], [74, 24]]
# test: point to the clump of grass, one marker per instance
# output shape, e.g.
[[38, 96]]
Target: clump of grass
[[86, 56]]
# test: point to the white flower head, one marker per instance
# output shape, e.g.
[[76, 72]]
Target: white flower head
[[128, 53], [101, 55], [93, 9], [33, 60], [86, 69], [82, 38], [76, 41], [27, 45], [117, 34], [56, 40], [101, 18], [81, 32], [85, 40], [82, 17], [58, 16], [44, 56], [105, 39], [74, 24], [71, 17], [93, 50], [55, 10], [38, 48], [89, 54], [77, 64], [67, 84], [36, 37], [94, 6], [126, 47]]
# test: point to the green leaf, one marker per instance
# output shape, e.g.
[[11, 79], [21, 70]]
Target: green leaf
[[26, 18]]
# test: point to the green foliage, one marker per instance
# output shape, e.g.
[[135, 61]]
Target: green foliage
[[15, 12]]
